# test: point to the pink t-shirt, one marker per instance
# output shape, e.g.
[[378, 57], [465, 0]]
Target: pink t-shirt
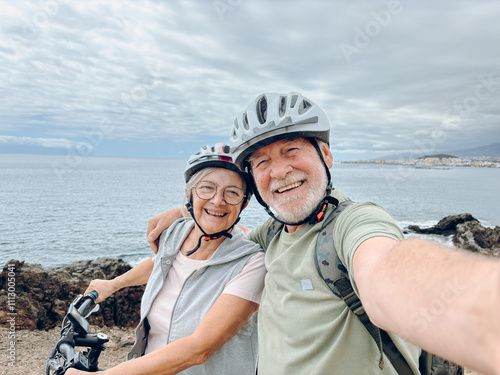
[[248, 285]]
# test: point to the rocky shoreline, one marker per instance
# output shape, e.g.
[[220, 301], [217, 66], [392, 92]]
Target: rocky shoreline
[[42, 297], [467, 233]]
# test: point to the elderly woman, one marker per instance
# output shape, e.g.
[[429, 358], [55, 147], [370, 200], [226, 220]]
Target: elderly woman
[[203, 286]]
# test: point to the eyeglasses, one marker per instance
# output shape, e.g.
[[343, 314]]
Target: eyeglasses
[[206, 190]]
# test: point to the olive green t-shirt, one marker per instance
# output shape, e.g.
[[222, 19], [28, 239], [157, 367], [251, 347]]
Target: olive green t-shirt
[[303, 327]]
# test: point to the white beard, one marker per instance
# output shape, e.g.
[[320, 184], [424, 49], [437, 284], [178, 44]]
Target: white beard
[[297, 207]]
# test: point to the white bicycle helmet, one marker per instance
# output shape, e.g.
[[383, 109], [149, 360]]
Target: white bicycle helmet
[[217, 156], [271, 117]]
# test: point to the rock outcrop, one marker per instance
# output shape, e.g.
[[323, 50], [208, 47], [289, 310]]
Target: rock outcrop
[[42, 296], [446, 226], [468, 233], [473, 236]]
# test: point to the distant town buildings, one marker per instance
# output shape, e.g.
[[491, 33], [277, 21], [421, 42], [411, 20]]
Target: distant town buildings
[[438, 161]]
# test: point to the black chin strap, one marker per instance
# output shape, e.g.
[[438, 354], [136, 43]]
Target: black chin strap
[[205, 236], [317, 215]]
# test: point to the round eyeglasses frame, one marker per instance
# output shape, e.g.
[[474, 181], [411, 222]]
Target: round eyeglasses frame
[[207, 196]]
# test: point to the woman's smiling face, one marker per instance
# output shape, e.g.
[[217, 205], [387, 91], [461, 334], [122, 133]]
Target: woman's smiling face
[[215, 215]]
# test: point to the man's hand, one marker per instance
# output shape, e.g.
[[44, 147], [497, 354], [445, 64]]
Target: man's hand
[[159, 223], [104, 289], [244, 229]]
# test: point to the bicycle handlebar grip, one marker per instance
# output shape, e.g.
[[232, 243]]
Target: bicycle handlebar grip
[[87, 302], [93, 295]]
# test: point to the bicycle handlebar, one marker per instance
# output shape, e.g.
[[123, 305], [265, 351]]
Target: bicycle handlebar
[[87, 302], [75, 333]]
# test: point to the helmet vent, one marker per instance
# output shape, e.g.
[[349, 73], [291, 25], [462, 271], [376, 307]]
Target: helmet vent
[[305, 105], [236, 126], [282, 106], [294, 100], [262, 109], [245, 121]]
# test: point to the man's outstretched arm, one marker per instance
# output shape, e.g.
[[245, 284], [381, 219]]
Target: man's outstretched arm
[[159, 223], [443, 300]]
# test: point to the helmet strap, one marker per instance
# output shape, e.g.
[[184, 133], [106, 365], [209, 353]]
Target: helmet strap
[[205, 236], [314, 142]]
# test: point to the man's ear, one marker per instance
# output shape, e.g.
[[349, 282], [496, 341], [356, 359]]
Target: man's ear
[[327, 154]]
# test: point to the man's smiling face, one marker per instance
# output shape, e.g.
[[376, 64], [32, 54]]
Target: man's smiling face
[[290, 176]]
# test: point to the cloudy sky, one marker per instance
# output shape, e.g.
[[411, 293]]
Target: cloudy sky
[[159, 79]]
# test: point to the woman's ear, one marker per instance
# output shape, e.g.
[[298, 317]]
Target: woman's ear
[[245, 206]]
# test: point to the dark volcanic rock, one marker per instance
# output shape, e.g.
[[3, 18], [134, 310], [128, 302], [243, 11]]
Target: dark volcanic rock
[[473, 236], [446, 226], [468, 233], [42, 296]]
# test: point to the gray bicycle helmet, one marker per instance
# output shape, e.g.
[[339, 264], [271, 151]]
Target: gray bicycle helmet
[[271, 117]]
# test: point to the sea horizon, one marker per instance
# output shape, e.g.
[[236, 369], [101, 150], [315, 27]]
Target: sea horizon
[[56, 211]]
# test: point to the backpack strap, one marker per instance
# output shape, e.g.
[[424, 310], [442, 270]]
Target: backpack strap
[[336, 277], [273, 230]]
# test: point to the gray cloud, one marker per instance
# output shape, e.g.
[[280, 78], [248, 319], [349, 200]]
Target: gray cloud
[[41, 142], [414, 72]]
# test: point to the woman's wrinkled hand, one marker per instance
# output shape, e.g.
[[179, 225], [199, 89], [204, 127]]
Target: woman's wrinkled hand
[[104, 289]]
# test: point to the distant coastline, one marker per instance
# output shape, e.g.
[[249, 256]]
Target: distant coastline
[[436, 162]]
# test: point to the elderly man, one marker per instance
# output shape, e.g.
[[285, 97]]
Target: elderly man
[[304, 328]]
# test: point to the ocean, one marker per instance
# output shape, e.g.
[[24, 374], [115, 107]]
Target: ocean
[[56, 209]]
